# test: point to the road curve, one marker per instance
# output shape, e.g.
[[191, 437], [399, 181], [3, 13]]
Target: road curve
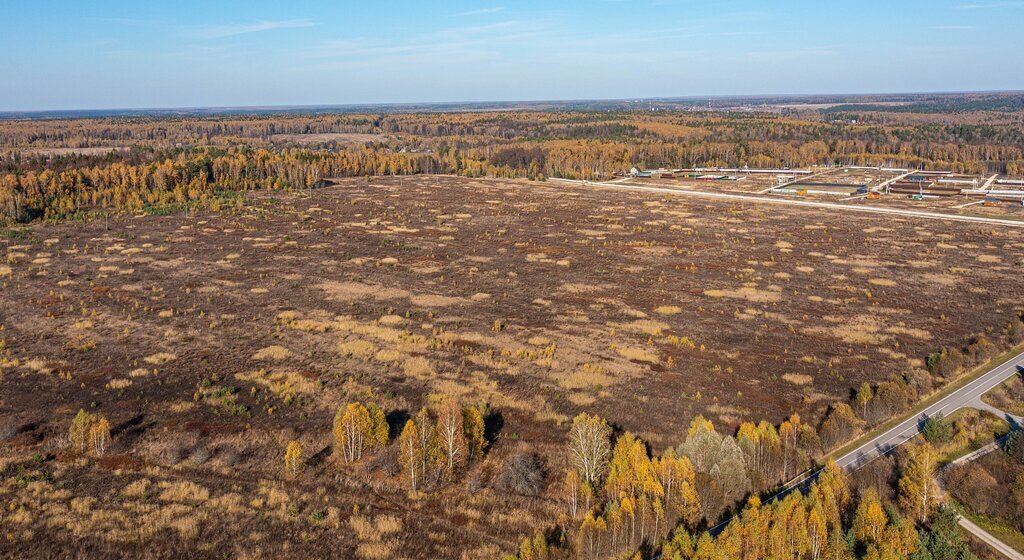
[[807, 203], [888, 441], [961, 398]]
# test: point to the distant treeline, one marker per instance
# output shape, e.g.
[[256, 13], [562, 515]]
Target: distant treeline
[[1010, 103], [175, 159]]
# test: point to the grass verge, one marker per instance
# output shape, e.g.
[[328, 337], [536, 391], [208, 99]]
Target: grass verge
[[931, 399], [997, 429], [996, 527]]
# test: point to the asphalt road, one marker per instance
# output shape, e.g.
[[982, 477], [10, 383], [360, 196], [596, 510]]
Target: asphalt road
[[965, 396], [808, 203]]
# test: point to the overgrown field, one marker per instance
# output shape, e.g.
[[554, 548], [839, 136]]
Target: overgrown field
[[211, 341]]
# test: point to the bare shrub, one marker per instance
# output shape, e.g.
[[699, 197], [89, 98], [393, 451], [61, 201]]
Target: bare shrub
[[879, 475], [386, 461], [481, 476], [7, 429], [175, 453], [199, 455], [891, 397], [1015, 330], [920, 381], [523, 473], [230, 457], [981, 350]]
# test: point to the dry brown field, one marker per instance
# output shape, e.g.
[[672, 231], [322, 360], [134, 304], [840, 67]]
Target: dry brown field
[[210, 341]]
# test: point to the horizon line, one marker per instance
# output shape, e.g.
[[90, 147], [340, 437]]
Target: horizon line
[[7, 114]]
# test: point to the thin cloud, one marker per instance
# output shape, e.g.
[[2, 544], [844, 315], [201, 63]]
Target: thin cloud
[[480, 12], [230, 30]]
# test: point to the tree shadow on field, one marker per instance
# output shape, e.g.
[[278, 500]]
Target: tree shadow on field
[[130, 430], [493, 423], [396, 420], [320, 456]]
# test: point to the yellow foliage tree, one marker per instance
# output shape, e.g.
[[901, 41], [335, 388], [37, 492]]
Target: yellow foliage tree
[[410, 454], [99, 435], [293, 459], [919, 492], [78, 433], [352, 431], [378, 435], [473, 430], [870, 520]]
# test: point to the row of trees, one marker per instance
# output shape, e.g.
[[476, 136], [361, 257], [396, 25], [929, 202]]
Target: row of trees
[[170, 131], [623, 499], [621, 490], [180, 159], [438, 446], [872, 404], [178, 176], [434, 446], [828, 522]]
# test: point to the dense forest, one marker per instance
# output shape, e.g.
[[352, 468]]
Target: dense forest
[[60, 168]]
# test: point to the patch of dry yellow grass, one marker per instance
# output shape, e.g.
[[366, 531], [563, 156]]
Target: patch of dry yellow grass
[[391, 320], [637, 354], [376, 550], [370, 535], [183, 491], [859, 329], [82, 324], [388, 524], [137, 489], [160, 358], [585, 377], [919, 334], [38, 365], [272, 353], [798, 378], [355, 291], [116, 384], [363, 528], [387, 355], [746, 292], [418, 367], [646, 326], [357, 348], [282, 383], [310, 325]]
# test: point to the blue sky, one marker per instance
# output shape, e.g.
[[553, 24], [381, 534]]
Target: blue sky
[[71, 54]]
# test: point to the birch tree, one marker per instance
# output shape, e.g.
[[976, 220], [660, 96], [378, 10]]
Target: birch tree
[[590, 447]]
